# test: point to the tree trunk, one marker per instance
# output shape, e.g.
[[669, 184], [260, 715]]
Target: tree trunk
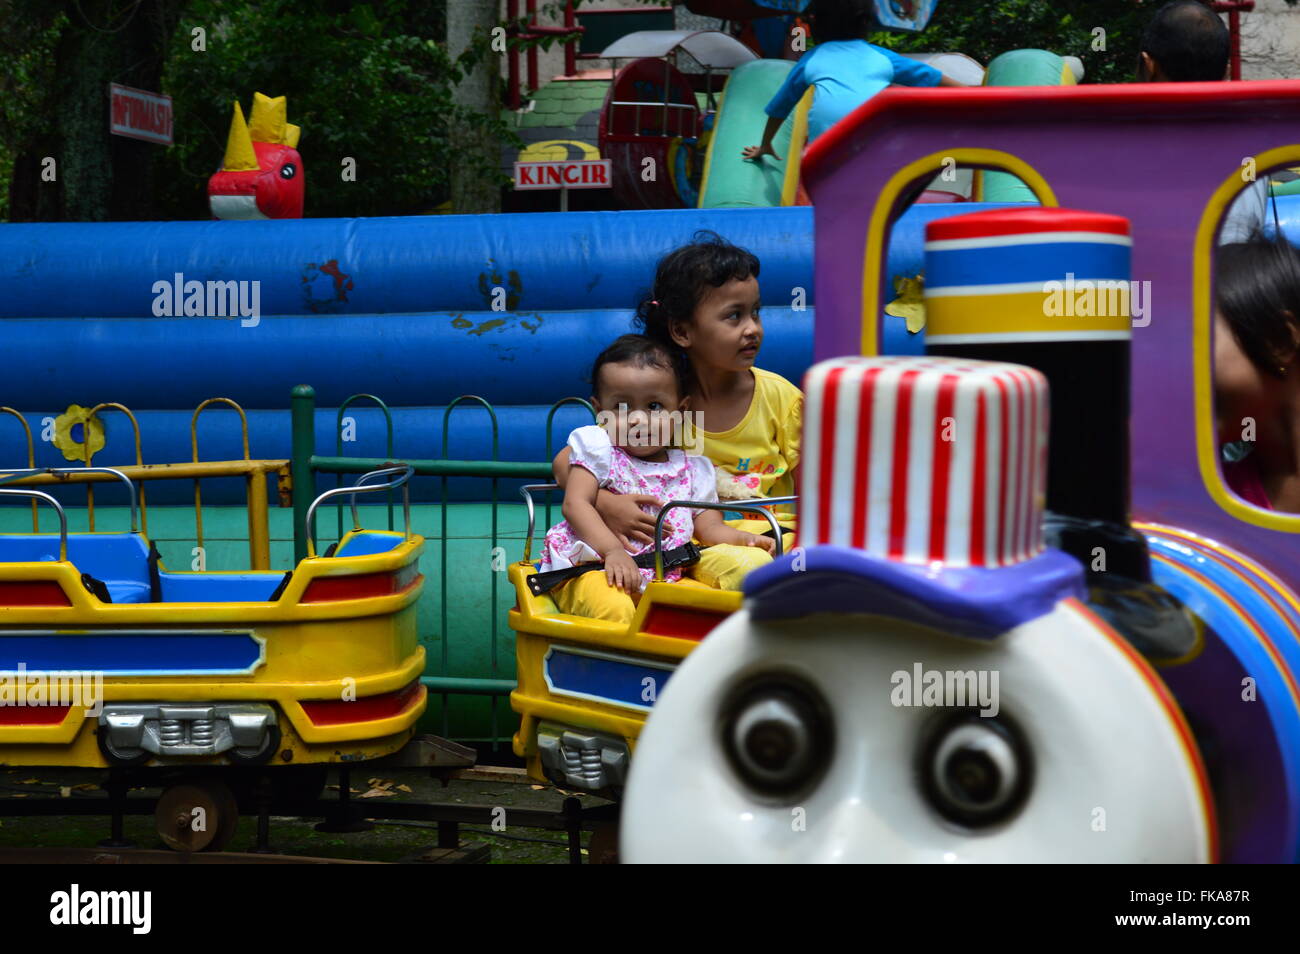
[[474, 174], [98, 176]]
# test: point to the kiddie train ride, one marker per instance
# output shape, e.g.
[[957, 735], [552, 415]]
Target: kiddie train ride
[[387, 300], [1148, 650], [200, 675]]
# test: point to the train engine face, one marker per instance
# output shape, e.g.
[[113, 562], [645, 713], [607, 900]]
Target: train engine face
[[920, 681]]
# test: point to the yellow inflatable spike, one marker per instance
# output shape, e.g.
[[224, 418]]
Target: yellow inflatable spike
[[268, 119], [291, 134], [240, 156]]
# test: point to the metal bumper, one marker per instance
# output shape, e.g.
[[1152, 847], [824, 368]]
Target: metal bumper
[[165, 729], [580, 758]]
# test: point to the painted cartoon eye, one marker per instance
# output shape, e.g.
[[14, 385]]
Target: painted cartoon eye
[[777, 735], [288, 170], [975, 770]]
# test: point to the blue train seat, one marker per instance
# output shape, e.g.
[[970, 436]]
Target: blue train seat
[[119, 560]]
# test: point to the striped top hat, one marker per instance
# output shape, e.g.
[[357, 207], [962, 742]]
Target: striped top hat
[[1027, 275], [925, 460]]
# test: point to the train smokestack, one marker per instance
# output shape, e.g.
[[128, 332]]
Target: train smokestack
[[1050, 288]]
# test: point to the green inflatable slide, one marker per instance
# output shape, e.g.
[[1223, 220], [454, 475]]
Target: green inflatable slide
[[733, 182]]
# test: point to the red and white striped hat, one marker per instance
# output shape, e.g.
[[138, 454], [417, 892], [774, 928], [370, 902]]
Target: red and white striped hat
[[925, 459]]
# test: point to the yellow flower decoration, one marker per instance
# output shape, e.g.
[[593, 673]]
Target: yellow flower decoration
[[909, 304], [92, 430]]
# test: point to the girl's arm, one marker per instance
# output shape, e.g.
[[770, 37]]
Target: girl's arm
[[709, 529], [765, 149], [948, 81], [622, 513], [782, 104], [579, 509]]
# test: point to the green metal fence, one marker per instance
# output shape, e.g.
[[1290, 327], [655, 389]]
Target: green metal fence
[[462, 618]]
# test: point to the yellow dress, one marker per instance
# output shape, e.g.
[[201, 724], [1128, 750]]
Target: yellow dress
[[756, 458]]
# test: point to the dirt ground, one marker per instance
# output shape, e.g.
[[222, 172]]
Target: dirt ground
[[389, 841]]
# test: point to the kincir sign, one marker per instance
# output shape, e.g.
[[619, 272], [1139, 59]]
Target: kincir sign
[[582, 174]]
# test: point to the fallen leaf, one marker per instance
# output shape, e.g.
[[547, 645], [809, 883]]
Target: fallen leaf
[[65, 791], [378, 793], [86, 787], [20, 795], [29, 781], [404, 788], [537, 788]]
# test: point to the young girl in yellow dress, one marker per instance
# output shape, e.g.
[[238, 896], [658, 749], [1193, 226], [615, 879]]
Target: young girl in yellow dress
[[704, 306]]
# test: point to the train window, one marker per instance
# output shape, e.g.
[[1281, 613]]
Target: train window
[[1254, 334], [948, 179], [961, 183]]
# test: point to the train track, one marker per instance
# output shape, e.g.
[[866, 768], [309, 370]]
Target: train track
[[174, 806]]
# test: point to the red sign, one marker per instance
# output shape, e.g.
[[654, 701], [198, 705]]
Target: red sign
[[140, 114], [583, 174]]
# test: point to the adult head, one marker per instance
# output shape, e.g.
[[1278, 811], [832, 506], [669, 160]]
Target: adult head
[[1184, 42]]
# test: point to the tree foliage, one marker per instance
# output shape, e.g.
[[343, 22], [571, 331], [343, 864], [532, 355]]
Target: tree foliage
[[372, 82]]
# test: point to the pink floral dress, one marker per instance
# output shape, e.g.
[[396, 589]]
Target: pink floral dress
[[681, 477]]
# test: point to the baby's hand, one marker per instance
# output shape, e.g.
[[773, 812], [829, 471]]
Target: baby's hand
[[756, 540], [621, 571]]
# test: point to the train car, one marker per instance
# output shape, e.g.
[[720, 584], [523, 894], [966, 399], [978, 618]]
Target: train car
[[111, 660], [1140, 619], [586, 685]]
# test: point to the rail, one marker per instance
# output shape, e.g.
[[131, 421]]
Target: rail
[[759, 506], [58, 508], [404, 482], [13, 477]]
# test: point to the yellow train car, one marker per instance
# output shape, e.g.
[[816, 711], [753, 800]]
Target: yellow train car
[[586, 686], [109, 660]]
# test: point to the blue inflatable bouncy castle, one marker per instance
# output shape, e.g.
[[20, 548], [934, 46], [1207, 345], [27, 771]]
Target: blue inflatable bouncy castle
[[161, 316]]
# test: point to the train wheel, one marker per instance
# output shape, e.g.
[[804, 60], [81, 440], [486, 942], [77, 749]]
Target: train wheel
[[197, 815], [260, 755]]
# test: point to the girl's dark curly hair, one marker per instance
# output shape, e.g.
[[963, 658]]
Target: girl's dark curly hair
[[680, 281]]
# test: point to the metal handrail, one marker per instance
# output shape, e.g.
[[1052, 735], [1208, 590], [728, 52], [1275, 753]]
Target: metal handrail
[[139, 461], [58, 507], [406, 504], [406, 470], [759, 506], [526, 492], [130, 484]]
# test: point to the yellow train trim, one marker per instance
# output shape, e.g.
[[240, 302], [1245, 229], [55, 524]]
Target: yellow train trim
[[539, 626]]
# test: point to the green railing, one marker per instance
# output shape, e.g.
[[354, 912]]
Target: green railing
[[305, 465]]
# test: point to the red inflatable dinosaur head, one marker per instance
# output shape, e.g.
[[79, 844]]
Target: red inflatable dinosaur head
[[261, 175]]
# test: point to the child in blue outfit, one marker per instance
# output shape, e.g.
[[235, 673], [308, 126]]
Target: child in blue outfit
[[845, 69]]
